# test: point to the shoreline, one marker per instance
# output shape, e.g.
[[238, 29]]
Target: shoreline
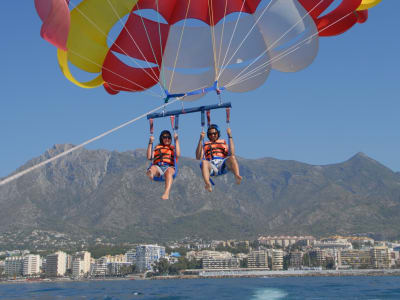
[[226, 274]]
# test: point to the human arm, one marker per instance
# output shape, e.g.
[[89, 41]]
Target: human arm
[[177, 146], [199, 149], [150, 148], [231, 144]]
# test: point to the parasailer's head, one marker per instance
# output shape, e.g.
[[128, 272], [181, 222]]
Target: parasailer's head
[[165, 137], [213, 132]]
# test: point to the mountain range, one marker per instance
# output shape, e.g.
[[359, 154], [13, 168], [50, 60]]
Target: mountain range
[[101, 192]]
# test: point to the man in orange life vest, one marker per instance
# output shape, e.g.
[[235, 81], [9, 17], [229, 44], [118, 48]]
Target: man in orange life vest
[[215, 155], [164, 157]]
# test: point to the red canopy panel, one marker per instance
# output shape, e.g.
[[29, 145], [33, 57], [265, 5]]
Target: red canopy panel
[[329, 24], [140, 39], [120, 77], [174, 11]]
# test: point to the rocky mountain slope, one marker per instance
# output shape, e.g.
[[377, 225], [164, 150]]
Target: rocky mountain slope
[[98, 192]]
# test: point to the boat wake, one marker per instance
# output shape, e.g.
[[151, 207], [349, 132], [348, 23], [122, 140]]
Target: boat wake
[[269, 294]]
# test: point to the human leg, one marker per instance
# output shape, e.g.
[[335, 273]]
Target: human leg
[[233, 166], [205, 171], [168, 176], [153, 171]]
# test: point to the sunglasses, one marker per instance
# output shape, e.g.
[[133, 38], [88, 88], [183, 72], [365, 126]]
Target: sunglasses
[[166, 137], [213, 133]]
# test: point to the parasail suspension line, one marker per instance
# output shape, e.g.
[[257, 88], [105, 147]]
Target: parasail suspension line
[[19, 174]]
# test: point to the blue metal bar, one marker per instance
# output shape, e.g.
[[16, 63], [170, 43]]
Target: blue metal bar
[[188, 110]]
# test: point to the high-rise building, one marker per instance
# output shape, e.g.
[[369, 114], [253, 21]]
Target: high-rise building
[[31, 264], [99, 268], [355, 259], [296, 259], [56, 264], [14, 266], [258, 259], [85, 257], [147, 255], [130, 256], [277, 259], [380, 257]]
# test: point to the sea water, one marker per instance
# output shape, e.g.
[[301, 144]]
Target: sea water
[[313, 288]]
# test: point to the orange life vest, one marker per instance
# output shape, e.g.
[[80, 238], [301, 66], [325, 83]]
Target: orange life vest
[[164, 155], [217, 149]]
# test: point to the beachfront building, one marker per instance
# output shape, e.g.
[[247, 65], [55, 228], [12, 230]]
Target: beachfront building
[[14, 266], [276, 259], [56, 264], [330, 245], [258, 259], [354, 259], [117, 268], [221, 263], [285, 241], [130, 256], [81, 264], [147, 255], [380, 257], [31, 265], [296, 260], [318, 256], [99, 268]]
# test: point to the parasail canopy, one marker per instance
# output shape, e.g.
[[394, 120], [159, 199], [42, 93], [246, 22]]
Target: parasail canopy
[[191, 45]]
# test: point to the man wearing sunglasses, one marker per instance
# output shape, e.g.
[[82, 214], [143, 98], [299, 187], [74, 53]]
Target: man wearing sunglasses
[[164, 157], [217, 157]]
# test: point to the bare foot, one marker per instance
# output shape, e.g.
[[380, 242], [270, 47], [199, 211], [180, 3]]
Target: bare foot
[[208, 187], [150, 175], [238, 179], [165, 196]]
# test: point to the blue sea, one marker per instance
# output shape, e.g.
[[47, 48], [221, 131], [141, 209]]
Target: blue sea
[[373, 288]]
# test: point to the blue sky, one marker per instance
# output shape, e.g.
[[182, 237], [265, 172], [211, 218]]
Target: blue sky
[[347, 101]]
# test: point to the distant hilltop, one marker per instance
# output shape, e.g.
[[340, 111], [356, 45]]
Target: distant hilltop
[[99, 192]]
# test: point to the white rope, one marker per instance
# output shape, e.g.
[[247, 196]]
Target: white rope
[[148, 39], [230, 41], [284, 54], [179, 46], [19, 174], [274, 43], [145, 90], [108, 38], [222, 35], [223, 68], [140, 50], [161, 47]]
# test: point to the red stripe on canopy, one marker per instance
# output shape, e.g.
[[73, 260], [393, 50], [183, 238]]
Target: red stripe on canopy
[[134, 41], [332, 23], [174, 11], [121, 77]]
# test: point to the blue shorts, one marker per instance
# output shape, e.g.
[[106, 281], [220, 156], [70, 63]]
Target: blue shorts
[[162, 168], [218, 166]]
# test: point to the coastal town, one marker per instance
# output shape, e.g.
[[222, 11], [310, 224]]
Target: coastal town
[[195, 257]]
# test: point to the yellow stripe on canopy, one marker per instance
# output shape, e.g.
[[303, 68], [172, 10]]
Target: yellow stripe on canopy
[[91, 22], [367, 4], [63, 62]]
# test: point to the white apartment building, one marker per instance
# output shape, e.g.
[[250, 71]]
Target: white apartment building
[[99, 268], [285, 241], [277, 260], [14, 266], [81, 264], [258, 259], [56, 264], [130, 256], [380, 257], [147, 255], [31, 265], [77, 268]]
